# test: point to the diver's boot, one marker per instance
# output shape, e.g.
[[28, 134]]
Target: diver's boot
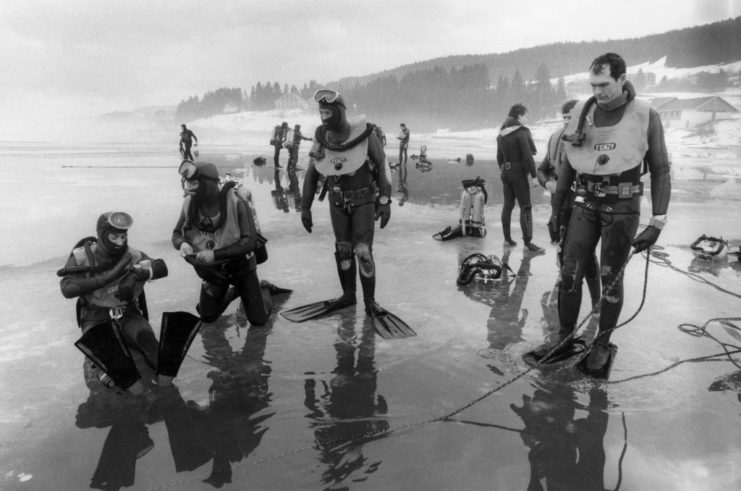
[[598, 363], [526, 222], [506, 220]]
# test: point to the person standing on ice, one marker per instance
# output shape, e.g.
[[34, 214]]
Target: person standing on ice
[[611, 139], [353, 162], [515, 150], [187, 137], [548, 178]]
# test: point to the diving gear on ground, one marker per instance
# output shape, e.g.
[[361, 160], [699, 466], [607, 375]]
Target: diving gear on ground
[[386, 324], [479, 267], [177, 331], [709, 248], [598, 360], [103, 346]]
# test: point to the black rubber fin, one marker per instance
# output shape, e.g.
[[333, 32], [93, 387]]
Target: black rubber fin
[[603, 371], [105, 349], [177, 331], [316, 309], [388, 325]]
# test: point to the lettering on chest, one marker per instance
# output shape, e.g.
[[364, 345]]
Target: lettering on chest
[[604, 147]]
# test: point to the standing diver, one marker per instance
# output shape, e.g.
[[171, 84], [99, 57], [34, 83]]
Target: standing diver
[[354, 163], [614, 136]]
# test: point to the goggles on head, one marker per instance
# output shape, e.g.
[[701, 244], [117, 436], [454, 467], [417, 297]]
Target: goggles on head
[[188, 170], [326, 96], [120, 220]]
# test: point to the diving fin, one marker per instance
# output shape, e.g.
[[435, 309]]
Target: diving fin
[[318, 309], [386, 324], [273, 289], [102, 345], [177, 331], [449, 233], [568, 352], [592, 364]]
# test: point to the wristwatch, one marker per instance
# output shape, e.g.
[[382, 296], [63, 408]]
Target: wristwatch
[[384, 200]]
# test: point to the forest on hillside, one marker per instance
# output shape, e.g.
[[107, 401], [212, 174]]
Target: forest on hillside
[[464, 92]]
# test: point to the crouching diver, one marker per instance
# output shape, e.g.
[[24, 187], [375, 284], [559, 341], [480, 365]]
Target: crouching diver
[[352, 159], [606, 147], [217, 234], [107, 277]]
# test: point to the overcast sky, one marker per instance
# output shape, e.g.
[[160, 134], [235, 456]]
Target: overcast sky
[[101, 55]]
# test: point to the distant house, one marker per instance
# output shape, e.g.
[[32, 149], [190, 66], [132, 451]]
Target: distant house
[[291, 100], [685, 113]]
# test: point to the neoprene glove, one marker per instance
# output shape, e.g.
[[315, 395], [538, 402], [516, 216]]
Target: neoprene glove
[[384, 213], [646, 239], [116, 271], [306, 219]]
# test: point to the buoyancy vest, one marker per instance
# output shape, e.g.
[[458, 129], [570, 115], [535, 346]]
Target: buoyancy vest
[[225, 235], [555, 148], [338, 163], [105, 296], [610, 150]]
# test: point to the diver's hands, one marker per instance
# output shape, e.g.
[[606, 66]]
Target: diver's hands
[[120, 268], [306, 219], [186, 249], [384, 213], [206, 256], [646, 239], [550, 185]]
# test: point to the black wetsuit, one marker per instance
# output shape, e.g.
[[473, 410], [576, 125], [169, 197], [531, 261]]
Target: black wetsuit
[[234, 264], [609, 218], [186, 141], [515, 150]]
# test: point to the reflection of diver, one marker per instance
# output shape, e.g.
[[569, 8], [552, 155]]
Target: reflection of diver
[[348, 407], [294, 190], [238, 391], [128, 439], [565, 453], [279, 195], [505, 296], [403, 189]]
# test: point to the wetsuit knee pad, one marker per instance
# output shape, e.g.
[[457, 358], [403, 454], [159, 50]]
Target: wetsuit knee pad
[[364, 254], [344, 254]]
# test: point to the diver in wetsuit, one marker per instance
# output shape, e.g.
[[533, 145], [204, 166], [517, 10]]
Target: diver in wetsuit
[[108, 277], [352, 159], [608, 144]]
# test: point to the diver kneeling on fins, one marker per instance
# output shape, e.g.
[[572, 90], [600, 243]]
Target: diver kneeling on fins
[[217, 233], [107, 277], [352, 159]]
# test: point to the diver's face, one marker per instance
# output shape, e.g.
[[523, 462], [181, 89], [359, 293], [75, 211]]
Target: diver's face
[[118, 239], [325, 114], [604, 87]]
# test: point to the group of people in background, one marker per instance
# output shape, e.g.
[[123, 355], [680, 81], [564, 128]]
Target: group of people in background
[[284, 137], [592, 167]]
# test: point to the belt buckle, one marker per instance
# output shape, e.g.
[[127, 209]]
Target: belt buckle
[[599, 189], [116, 313], [507, 166], [625, 190]]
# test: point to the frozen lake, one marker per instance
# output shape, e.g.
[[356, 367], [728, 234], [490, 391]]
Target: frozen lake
[[327, 405]]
